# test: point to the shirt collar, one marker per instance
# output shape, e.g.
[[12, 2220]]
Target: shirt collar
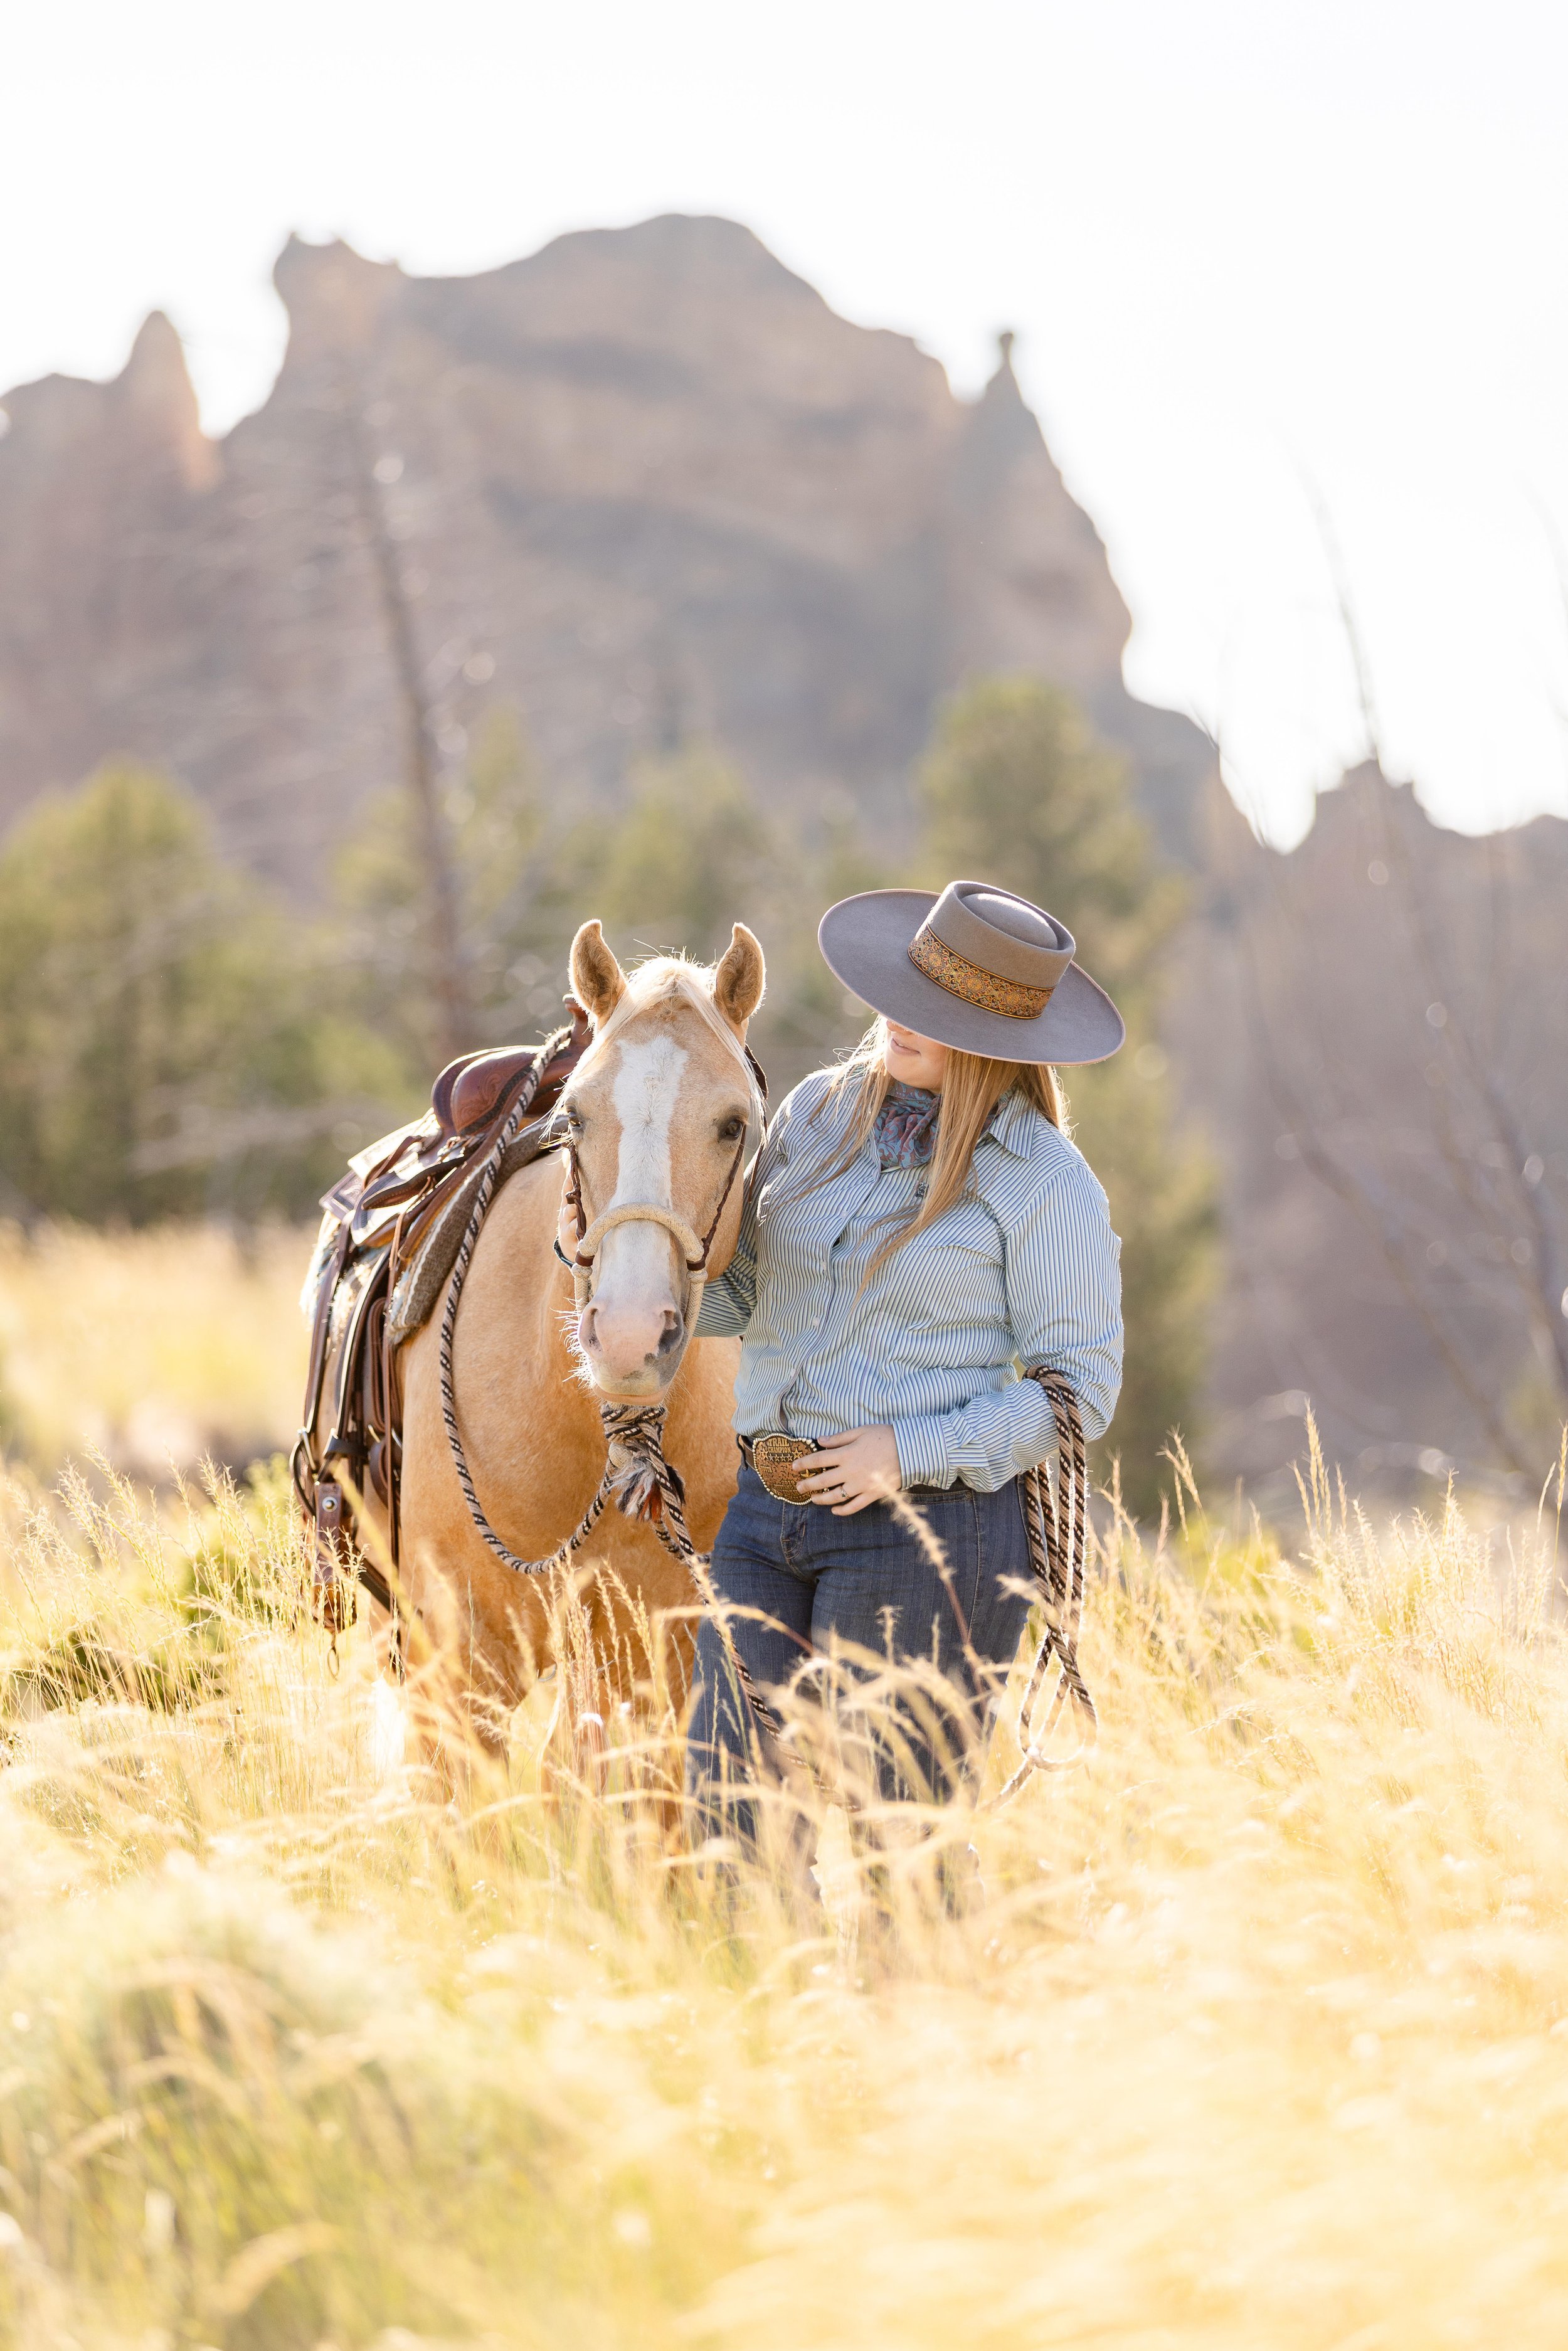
[[1012, 1124]]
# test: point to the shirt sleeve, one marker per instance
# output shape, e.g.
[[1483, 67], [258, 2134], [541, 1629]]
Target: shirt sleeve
[[1064, 1276], [729, 1300]]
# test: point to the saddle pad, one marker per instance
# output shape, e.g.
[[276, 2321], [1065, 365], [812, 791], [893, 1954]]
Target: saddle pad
[[423, 1283]]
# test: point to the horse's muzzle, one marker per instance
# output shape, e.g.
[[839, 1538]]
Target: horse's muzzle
[[632, 1353]]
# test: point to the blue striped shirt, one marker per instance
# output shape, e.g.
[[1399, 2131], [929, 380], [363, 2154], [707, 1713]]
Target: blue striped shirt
[[1024, 1270]]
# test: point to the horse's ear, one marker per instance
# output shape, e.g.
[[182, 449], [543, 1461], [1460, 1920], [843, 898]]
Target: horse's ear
[[739, 982], [598, 981]]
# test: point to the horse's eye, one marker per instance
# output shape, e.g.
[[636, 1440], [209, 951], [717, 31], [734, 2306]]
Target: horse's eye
[[733, 1128]]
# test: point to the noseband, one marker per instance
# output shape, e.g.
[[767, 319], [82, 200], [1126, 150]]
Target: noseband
[[693, 1253]]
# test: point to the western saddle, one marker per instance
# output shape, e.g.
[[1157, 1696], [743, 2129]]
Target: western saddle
[[391, 1230]]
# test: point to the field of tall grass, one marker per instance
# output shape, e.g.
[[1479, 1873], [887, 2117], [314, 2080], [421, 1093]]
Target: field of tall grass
[[157, 1349], [1259, 2036]]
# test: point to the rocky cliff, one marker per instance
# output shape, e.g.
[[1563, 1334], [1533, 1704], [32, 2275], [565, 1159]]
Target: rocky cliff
[[648, 487], [1373, 1029], [644, 484]]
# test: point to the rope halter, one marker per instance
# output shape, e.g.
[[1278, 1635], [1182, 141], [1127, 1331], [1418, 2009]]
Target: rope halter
[[693, 1253]]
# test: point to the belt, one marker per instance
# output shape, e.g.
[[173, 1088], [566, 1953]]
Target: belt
[[776, 1459]]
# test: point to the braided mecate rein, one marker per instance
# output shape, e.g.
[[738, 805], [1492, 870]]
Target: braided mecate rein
[[636, 1475], [644, 1485], [1056, 1515], [638, 1479]]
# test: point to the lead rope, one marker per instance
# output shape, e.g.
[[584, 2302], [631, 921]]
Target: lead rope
[[663, 1502], [638, 1478]]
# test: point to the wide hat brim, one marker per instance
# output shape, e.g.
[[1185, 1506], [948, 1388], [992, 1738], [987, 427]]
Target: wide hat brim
[[866, 941]]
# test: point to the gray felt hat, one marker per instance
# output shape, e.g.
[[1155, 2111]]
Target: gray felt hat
[[976, 969]]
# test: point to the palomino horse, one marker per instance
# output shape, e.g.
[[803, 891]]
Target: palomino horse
[[661, 1110]]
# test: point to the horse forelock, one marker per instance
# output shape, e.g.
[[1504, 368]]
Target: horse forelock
[[661, 983]]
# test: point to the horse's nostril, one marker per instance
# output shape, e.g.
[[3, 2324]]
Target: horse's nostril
[[673, 1333]]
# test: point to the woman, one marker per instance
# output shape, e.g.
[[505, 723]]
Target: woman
[[918, 1225]]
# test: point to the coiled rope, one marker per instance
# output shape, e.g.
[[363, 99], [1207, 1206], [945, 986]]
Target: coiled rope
[[1056, 1515]]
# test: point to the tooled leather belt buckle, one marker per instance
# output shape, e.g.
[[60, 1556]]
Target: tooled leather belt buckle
[[774, 1457]]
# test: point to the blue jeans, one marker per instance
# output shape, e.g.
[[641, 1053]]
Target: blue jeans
[[827, 1603]]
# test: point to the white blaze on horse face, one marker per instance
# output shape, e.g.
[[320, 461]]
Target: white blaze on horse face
[[636, 1304]]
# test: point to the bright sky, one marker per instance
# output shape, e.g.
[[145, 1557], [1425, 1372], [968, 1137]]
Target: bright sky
[[1266, 259]]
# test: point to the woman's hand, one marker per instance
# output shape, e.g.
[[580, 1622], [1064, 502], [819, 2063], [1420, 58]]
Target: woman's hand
[[848, 1472]]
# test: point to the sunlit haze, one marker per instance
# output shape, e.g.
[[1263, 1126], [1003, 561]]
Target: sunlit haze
[[1280, 275]]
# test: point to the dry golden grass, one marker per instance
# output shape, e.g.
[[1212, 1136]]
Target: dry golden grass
[[178, 1344], [1259, 2039]]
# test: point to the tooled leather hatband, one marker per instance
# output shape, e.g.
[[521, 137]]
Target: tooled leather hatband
[[972, 985]]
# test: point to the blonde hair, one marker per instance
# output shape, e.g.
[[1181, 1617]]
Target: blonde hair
[[972, 1086]]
